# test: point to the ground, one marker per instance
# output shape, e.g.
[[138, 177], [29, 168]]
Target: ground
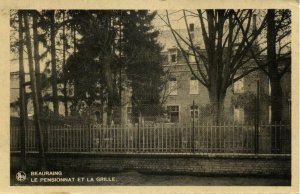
[[134, 178]]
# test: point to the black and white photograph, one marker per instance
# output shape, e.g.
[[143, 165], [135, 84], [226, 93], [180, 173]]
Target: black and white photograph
[[150, 97]]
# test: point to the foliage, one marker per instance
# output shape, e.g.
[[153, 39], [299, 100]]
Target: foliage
[[134, 55]]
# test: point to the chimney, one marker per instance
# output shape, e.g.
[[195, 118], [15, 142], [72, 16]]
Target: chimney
[[254, 23], [255, 44]]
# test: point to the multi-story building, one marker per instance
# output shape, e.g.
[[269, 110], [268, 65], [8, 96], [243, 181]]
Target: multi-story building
[[239, 105]]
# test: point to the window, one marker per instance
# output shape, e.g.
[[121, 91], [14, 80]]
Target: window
[[172, 86], [173, 55], [192, 27], [194, 86], [238, 86], [173, 114], [194, 112], [238, 114]]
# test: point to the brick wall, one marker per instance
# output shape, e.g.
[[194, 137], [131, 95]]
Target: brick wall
[[200, 164], [184, 99]]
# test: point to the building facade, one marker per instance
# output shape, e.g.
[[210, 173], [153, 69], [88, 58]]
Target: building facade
[[188, 99]]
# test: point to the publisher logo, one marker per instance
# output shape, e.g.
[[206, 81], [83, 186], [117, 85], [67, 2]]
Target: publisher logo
[[21, 176]]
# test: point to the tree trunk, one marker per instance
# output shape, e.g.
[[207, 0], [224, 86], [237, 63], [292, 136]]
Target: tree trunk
[[34, 94], [109, 84], [276, 111], [276, 90], [53, 63], [276, 99], [23, 111], [217, 97], [37, 60], [64, 64]]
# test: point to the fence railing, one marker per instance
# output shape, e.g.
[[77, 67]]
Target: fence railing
[[158, 138]]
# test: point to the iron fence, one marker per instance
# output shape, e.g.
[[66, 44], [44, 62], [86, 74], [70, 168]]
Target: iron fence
[[158, 138]]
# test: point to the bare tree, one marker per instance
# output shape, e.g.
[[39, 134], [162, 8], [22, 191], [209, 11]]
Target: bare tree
[[277, 63], [225, 59], [278, 60]]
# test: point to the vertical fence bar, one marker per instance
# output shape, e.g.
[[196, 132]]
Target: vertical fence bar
[[99, 131], [131, 139], [138, 139], [224, 136], [114, 138], [242, 143], [90, 137], [232, 140], [63, 139], [216, 137], [177, 138], [211, 137], [162, 139], [143, 139], [126, 138], [78, 136], [121, 133], [72, 138], [158, 140], [257, 118], [28, 134]]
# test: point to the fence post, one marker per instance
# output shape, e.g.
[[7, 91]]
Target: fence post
[[89, 137], [256, 146], [47, 137], [193, 134], [138, 139]]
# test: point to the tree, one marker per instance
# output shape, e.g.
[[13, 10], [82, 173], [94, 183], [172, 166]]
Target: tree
[[37, 57], [36, 107], [114, 47], [53, 62], [278, 56], [225, 56], [23, 111], [277, 63], [94, 60], [143, 62], [65, 82]]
